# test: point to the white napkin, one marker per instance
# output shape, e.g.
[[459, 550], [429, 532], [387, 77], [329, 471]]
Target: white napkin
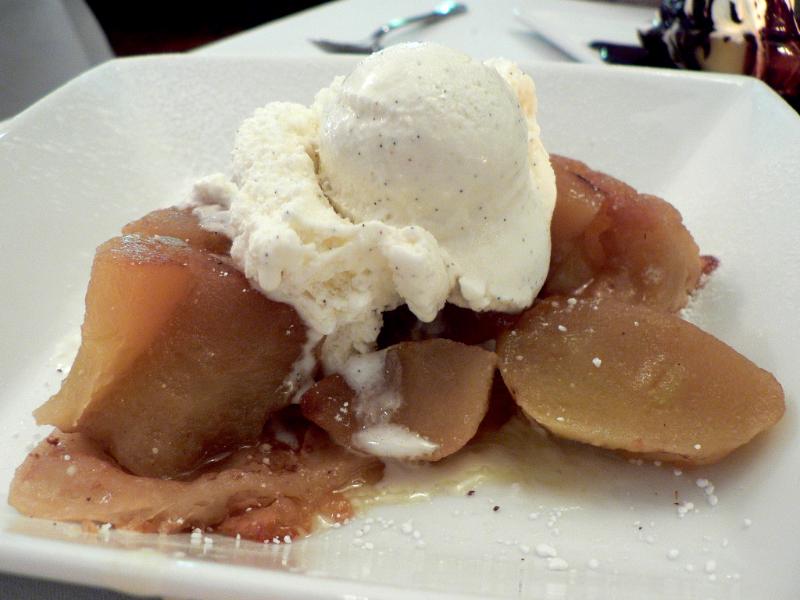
[[44, 43]]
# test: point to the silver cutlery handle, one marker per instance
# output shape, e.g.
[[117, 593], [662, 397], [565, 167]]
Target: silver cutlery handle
[[440, 11]]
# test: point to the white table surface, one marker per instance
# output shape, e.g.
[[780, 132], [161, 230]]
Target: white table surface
[[488, 29]]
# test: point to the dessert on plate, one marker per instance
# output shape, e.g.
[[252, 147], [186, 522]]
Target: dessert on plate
[[385, 275], [759, 38]]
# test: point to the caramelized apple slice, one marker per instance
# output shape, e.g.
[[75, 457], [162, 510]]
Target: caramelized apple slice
[[258, 492], [630, 378], [610, 240], [179, 223], [180, 358], [438, 394], [578, 199]]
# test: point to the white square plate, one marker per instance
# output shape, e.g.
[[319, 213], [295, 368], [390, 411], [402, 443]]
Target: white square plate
[[132, 135]]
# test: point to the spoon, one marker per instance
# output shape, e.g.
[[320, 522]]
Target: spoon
[[373, 43]]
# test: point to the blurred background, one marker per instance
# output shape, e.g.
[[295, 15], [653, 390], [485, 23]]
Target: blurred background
[[44, 43], [149, 26]]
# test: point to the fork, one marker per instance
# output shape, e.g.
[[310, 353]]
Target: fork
[[373, 43]]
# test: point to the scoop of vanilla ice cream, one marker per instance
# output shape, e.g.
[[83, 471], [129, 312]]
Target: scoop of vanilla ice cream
[[290, 242], [418, 179], [422, 134]]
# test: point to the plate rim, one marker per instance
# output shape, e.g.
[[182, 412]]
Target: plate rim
[[185, 578], [745, 82]]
